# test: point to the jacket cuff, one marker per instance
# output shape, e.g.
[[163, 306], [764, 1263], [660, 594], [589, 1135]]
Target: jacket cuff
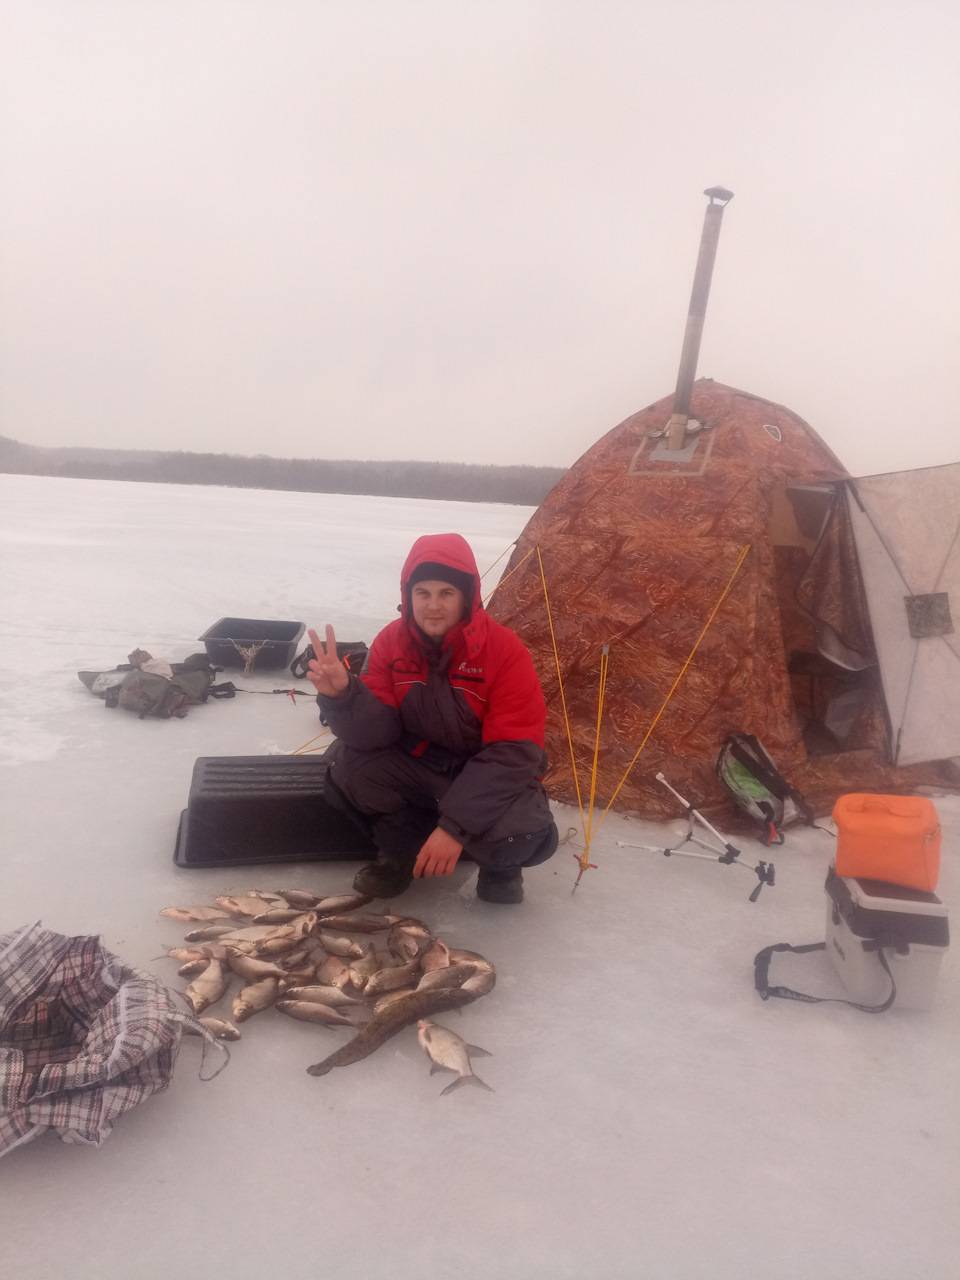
[[324, 700], [453, 829]]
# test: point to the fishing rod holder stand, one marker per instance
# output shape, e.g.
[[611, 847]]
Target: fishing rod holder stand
[[766, 874], [721, 851]]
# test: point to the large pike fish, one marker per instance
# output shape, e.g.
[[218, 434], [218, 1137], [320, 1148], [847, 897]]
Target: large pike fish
[[386, 1024]]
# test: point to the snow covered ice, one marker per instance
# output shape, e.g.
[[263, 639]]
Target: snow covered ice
[[652, 1117]]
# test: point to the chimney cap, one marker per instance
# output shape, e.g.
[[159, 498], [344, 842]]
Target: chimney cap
[[719, 195]]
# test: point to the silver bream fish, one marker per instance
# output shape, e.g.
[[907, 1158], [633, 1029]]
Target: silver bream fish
[[448, 1052]]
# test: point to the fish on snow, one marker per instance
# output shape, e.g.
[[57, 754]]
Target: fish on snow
[[449, 1052]]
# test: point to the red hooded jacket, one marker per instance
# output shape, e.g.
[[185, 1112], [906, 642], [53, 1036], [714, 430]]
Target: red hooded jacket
[[471, 706]]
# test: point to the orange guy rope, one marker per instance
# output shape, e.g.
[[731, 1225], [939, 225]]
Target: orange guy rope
[[584, 859], [490, 567], [518, 565], [303, 746], [744, 552], [563, 700]]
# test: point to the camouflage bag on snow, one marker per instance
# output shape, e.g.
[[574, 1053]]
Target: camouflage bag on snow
[[164, 692]]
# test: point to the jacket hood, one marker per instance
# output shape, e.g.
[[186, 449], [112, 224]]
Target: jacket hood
[[449, 549]]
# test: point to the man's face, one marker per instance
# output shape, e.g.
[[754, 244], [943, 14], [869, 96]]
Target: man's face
[[437, 606]]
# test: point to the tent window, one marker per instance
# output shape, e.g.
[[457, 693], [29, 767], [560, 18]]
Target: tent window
[[929, 615]]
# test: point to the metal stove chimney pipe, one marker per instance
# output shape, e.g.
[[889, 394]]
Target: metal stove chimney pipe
[[719, 198]]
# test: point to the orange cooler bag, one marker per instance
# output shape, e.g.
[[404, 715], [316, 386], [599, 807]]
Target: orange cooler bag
[[891, 838]]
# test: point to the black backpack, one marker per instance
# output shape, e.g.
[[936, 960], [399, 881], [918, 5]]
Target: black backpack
[[352, 653]]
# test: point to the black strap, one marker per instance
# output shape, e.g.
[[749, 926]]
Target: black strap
[[300, 664], [761, 969]]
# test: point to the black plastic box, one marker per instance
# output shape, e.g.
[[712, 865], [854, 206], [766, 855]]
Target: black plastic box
[[244, 810], [280, 641]]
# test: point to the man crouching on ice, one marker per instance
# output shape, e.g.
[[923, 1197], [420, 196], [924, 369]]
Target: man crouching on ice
[[440, 739]]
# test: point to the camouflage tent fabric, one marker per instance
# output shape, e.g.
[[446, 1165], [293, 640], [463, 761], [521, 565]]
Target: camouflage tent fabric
[[83, 1037], [637, 552]]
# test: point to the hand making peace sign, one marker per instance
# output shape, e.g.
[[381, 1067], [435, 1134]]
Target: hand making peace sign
[[325, 671]]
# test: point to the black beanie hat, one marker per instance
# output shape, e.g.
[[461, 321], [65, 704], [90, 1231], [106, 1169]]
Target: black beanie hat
[[430, 571]]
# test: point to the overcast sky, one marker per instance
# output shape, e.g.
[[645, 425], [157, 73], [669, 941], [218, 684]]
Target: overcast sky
[[466, 229]]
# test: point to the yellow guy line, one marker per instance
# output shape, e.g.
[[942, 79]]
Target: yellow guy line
[[491, 567], [297, 751], [506, 576], [744, 552], [563, 700], [584, 858]]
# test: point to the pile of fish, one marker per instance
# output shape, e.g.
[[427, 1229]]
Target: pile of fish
[[292, 951]]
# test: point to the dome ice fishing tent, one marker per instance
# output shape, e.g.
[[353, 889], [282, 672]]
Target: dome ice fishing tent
[[743, 582]]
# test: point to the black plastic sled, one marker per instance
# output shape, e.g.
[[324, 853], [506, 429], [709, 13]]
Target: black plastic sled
[[245, 810]]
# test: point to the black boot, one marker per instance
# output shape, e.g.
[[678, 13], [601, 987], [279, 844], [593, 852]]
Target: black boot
[[399, 838], [500, 886], [385, 878]]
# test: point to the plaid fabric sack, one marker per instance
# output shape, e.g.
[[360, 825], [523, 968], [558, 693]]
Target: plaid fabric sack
[[83, 1037]]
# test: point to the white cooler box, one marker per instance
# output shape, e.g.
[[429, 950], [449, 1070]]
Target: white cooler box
[[910, 926]]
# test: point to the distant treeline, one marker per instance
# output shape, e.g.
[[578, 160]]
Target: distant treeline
[[464, 482]]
